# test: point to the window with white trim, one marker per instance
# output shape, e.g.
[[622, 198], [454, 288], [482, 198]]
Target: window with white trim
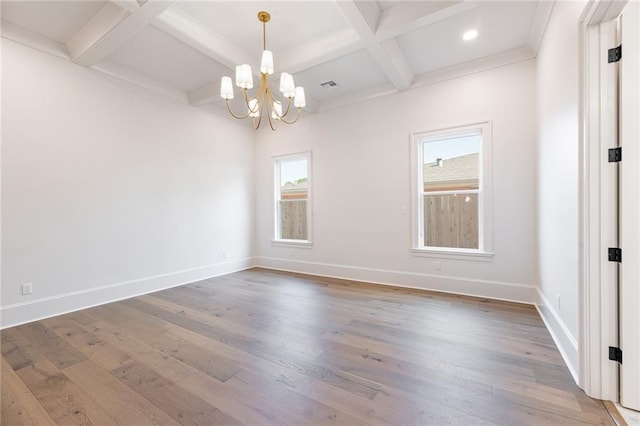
[[293, 198], [452, 190]]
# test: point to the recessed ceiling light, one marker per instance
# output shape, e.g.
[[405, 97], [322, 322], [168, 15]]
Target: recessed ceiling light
[[470, 35]]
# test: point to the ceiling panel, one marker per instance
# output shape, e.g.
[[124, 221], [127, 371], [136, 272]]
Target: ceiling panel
[[57, 21], [386, 5], [502, 26], [292, 23], [352, 72], [158, 55]]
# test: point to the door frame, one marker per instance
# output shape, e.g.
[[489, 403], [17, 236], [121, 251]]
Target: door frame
[[598, 376]]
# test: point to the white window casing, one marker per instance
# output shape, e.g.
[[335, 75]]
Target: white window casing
[[484, 252], [278, 239]]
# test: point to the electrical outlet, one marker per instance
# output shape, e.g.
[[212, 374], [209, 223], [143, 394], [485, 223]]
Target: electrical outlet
[[224, 254], [27, 288], [558, 302], [437, 266]]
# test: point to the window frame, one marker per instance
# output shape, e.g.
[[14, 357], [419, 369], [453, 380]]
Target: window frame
[[485, 193], [277, 161]]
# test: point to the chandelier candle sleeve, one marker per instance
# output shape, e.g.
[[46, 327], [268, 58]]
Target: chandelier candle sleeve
[[226, 88], [299, 101], [244, 77], [264, 104], [266, 66], [287, 87]]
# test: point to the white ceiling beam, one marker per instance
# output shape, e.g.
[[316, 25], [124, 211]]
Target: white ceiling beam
[[109, 28], [140, 80], [36, 41], [369, 12], [477, 65], [182, 26], [358, 96], [539, 24], [389, 57], [411, 16], [203, 95], [319, 51]]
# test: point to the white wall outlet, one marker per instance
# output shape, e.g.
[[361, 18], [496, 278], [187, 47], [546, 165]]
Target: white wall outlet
[[558, 302], [437, 266], [27, 288], [224, 254]]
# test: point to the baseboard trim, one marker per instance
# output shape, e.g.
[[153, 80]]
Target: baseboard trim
[[497, 290], [565, 341], [37, 309]]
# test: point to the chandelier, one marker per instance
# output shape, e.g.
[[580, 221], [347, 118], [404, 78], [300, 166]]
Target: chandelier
[[264, 102]]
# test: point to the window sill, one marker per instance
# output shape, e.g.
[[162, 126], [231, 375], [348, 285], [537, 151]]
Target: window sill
[[292, 243], [459, 254]]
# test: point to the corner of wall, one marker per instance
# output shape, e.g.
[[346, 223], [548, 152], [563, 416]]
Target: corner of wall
[[564, 340]]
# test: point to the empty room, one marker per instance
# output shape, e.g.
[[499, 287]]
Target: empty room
[[320, 212]]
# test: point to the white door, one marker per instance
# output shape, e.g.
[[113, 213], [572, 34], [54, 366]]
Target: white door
[[630, 207]]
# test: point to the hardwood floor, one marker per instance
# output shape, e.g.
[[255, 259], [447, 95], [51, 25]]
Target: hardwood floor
[[262, 347]]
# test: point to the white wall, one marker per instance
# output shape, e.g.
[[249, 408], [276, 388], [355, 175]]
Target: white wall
[[557, 83], [110, 191], [361, 179]]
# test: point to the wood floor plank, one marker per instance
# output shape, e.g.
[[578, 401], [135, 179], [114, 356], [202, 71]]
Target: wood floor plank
[[64, 401], [304, 408], [246, 405], [18, 405], [114, 395], [53, 347], [165, 365], [265, 347], [184, 407]]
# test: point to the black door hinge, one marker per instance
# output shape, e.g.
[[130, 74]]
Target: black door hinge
[[614, 54], [615, 354], [615, 254], [615, 155]]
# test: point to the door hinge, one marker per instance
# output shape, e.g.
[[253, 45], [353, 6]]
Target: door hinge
[[614, 54], [615, 254], [615, 354], [615, 155]]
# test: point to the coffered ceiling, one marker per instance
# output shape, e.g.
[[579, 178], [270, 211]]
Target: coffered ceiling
[[368, 48]]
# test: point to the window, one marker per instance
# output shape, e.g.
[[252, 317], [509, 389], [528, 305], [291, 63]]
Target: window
[[452, 191], [292, 199]]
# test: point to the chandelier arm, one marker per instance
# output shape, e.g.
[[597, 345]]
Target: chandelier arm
[[234, 115], [294, 120], [273, 127], [273, 98], [261, 107], [248, 99], [284, 114]]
